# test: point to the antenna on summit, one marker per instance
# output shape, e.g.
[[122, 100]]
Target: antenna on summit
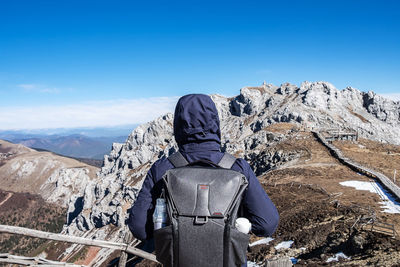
[[264, 83]]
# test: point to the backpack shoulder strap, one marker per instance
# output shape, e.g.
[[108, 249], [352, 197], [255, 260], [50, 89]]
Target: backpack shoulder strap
[[227, 161], [178, 160]]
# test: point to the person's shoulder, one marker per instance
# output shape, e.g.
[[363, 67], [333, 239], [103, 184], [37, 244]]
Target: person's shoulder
[[160, 166], [242, 162], [242, 166], [160, 163]]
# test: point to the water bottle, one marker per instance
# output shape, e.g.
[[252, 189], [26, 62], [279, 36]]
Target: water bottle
[[160, 214]]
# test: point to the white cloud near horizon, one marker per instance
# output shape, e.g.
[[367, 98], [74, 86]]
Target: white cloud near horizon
[[393, 96], [27, 86], [88, 114], [39, 88]]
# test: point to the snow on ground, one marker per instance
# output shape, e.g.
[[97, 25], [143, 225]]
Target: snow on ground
[[337, 256], [252, 264], [284, 244], [261, 242], [389, 204]]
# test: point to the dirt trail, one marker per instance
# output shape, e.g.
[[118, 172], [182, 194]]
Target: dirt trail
[[9, 195], [316, 164], [89, 257]]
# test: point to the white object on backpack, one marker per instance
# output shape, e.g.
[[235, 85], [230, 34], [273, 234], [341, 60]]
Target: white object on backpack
[[243, 225], [160, 214]]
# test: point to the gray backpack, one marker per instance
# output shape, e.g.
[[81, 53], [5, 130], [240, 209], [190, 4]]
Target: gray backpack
[[202, 205]]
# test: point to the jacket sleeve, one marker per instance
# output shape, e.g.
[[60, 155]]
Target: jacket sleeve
[[140, 220], [258, 207]]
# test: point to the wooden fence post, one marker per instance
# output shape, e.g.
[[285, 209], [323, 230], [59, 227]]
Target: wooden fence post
[[124, 256]]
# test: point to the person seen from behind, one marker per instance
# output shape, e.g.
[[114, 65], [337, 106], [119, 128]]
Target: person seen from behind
[[197, 132]]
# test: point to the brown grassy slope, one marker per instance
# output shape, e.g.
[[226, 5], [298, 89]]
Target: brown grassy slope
[[375, 155], [9, 150], [31, 211], [312, 218], [317, 212], [319, 168]]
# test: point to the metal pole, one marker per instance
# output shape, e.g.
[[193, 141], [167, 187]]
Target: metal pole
[[394, 176]]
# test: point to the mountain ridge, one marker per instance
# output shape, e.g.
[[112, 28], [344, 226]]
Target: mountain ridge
[[73, 145]]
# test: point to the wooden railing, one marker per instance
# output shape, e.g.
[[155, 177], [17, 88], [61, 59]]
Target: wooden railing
[[337, 134], [33, 261], [125, 248], [384, 228], [395, 190]]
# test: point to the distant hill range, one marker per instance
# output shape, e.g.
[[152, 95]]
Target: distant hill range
[[75, 145]]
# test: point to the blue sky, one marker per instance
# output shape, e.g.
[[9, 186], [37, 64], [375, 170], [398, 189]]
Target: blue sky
[[81, 63]]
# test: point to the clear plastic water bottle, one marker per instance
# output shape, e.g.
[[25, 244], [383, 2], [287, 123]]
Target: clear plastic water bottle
[[160, 214]]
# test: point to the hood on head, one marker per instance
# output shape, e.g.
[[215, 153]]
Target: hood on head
[[196, 120]]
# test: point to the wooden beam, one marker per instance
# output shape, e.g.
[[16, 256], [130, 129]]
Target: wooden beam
[[78, 240], [33, 261]]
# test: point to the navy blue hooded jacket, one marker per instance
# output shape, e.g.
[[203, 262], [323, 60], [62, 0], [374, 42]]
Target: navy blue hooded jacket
[[197, 132]]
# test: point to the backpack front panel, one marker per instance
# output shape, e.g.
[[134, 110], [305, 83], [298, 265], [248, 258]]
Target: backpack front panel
[[202, 204]]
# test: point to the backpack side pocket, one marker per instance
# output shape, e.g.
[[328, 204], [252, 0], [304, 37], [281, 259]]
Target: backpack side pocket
[[164, 245], [238, 247]]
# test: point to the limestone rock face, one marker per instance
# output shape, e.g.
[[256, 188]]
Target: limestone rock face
[[64, 183], [245, 122], [106, 200], [383, 109]]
